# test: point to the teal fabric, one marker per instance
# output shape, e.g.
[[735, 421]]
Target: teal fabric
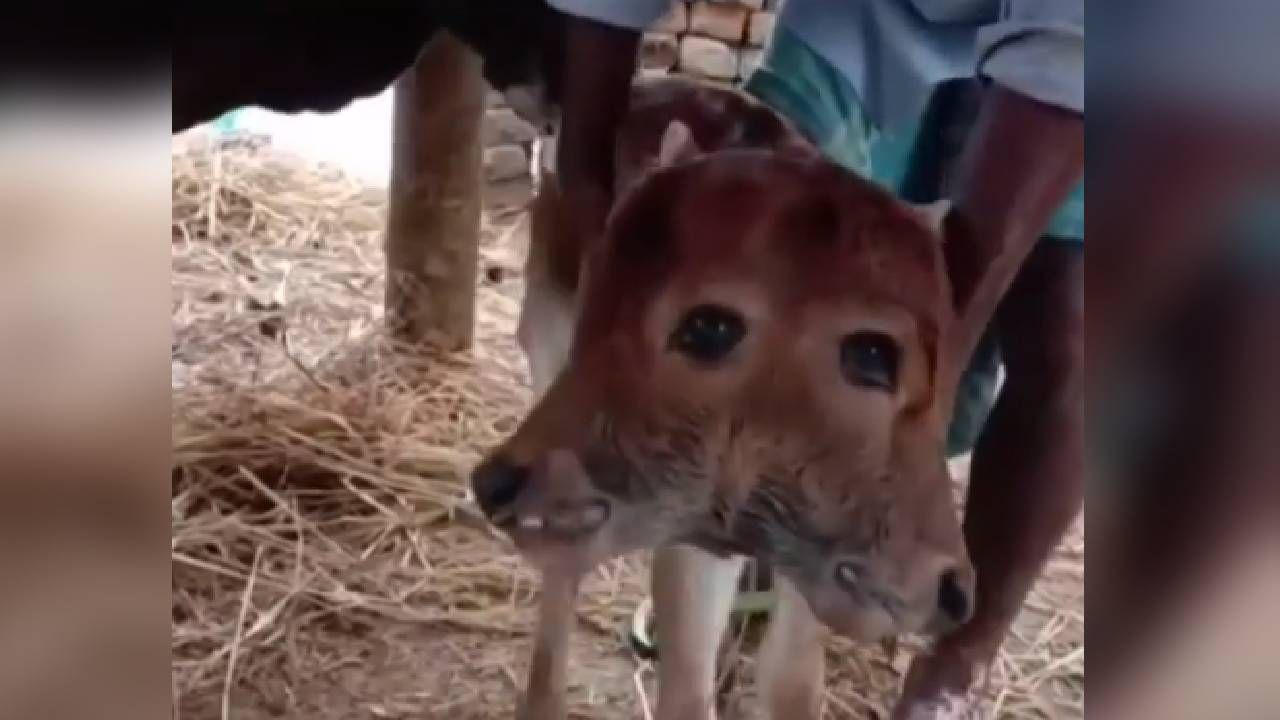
[[800, 84], [229, 122]]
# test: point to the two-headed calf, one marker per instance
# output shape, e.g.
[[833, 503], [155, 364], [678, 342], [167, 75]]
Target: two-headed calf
[[750, 364]]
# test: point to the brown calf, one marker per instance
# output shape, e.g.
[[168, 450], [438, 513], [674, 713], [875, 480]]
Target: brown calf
[[747, 362]]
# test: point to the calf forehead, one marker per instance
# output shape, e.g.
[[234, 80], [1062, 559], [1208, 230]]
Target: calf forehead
[[805, 229]]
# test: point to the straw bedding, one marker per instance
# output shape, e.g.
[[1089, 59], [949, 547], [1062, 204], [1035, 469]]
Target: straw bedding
[[326, 560]]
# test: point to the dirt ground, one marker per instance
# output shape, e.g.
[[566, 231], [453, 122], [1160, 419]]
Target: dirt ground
[[327, 563]]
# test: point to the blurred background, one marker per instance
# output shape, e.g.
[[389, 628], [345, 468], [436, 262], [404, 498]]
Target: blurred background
[[139, 483]]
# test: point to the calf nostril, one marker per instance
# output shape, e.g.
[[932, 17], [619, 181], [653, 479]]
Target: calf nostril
[[953, 598], [497, 482]]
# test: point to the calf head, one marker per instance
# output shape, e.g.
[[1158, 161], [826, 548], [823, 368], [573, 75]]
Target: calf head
[[755, 369]]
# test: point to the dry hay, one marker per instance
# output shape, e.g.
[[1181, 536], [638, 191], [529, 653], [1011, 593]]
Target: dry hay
[[326, 560]]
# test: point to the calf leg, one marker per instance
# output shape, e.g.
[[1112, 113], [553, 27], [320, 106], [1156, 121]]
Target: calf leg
[[693, 593], [789, 668], [545, 333], [1026, 485], [545, 694], [545, 329]]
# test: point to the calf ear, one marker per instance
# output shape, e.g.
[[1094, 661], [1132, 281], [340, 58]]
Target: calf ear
[[961, 254], [934, 215], [677, 145], [958, 250]]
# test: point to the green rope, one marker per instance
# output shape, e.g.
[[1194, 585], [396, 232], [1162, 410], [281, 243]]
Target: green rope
[[640, 636]]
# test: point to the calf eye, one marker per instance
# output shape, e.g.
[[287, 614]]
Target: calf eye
[[870, 359], [708, 333]]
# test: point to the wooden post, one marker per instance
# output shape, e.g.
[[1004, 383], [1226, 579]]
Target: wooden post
[[433, 220]]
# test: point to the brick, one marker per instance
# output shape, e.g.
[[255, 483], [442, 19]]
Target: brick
[[723, 22], [676, 20], [708, 58], [760, 28], [503, 127], [659, 51], [505, 162], [748, 61]]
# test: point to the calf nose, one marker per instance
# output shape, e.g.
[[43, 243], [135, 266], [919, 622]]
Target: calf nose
[[497, 483], [955, 597]]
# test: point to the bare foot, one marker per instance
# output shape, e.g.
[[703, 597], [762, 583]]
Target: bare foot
[[939, 687]]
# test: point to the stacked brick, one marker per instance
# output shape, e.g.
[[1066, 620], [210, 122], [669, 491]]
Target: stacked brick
[[508, 142], [717, 40]]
